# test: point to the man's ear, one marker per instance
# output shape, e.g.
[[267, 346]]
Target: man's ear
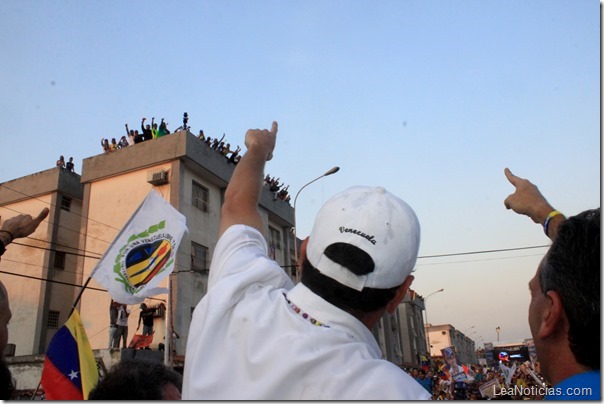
[[552, 316], [400, 295], [302, 253]]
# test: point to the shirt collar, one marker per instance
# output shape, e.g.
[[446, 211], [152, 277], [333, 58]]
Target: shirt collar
[[331, 315]]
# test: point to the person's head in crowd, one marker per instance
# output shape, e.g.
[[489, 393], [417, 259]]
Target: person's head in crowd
[[138, 380], [564, 313], [361, 252]]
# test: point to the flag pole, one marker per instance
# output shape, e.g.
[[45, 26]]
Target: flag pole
[[168, 344], [77, 300]]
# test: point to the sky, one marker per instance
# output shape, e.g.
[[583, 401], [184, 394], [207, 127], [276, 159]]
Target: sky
[[429, 99]]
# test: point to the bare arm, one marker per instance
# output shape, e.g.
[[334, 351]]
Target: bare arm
[[243, 192], [528, 200]]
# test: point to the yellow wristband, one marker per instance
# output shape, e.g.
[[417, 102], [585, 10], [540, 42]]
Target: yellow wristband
[[549, 217]]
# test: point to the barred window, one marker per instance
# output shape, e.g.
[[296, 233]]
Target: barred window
[[66, 203], [200, 197], [275, 238], [60, 259], [199, 258], [53, 319]]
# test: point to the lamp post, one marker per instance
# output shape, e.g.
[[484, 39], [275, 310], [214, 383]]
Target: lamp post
[[426, 311], [497, 330], [332, 171], [469, 328]]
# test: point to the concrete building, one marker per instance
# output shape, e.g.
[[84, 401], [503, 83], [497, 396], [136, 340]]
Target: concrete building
[[41, 271], [445, 335]]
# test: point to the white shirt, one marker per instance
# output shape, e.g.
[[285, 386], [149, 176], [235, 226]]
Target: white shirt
[[246, 342], [122, 316]]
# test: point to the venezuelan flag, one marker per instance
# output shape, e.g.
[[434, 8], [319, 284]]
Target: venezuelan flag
[[70, 370]]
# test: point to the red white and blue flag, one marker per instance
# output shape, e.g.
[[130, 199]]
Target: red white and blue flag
[[70, 371]]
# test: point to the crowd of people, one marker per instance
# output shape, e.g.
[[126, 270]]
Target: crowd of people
[[153, 131], [506, 381], [232, 156], [279, 192], [256, 335], [148, 132]]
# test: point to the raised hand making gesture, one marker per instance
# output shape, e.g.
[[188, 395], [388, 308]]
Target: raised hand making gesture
[[20, 226], [528, 200]]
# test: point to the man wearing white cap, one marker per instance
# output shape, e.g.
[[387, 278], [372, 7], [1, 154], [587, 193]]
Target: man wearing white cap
[[256, 336]]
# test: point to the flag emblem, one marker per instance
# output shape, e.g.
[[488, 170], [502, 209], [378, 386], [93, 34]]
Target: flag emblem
[[145, 261]]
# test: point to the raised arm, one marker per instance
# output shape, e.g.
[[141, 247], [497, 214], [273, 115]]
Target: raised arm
[[528, 200], [243, 192]]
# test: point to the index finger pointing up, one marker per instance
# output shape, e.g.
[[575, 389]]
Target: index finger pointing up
[[511, 177], [274, 127]]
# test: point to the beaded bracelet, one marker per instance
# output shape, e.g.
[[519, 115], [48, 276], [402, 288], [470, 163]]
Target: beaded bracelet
[[549, 217]]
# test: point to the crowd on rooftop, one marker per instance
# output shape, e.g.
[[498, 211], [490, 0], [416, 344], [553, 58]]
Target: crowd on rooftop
[[155, 131]]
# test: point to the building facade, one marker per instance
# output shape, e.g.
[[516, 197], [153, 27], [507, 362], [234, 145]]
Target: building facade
[[445, 335], [41, 271]]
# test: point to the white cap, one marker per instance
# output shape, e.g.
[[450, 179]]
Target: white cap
[[375, 221]]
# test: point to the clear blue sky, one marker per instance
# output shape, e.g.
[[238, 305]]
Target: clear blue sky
[[430, 99]]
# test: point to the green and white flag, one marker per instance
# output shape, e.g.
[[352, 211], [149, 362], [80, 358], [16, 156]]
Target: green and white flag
[[143, 253]]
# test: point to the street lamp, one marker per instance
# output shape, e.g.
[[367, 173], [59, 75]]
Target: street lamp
[[469, 328], [332, 171], [497, 330], [426, 311]]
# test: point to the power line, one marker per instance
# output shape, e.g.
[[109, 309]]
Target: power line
[[55, 250], [483, 251], [50, 280], [480, 260], [55, 206]]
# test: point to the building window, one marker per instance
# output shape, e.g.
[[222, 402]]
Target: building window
[[66, 203], [199, 258], [275, 238], [444, 332], [201, 197], [53, 319], [60, 259]]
